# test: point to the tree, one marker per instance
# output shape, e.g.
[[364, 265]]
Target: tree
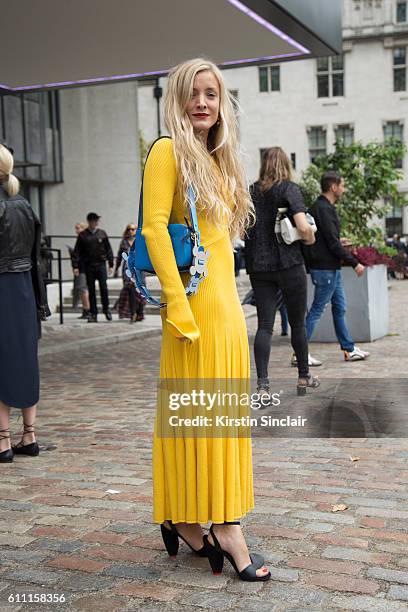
[[371, 176]]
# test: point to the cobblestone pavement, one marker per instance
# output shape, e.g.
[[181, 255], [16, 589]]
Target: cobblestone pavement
[[77, 520]]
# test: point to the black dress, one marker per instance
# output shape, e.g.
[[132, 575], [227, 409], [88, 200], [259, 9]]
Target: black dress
[[19, 374], [22, 301]]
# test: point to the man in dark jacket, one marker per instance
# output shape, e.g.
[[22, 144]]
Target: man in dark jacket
[[324, 260], [92, 251]]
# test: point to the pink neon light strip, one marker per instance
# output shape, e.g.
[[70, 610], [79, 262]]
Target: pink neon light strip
[[239, 5], [250, 13]]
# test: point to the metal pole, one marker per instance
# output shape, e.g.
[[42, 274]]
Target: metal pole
[[158, 92], [60, 286]]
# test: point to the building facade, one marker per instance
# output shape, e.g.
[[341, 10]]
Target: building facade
[[304, 106], [76, 150]]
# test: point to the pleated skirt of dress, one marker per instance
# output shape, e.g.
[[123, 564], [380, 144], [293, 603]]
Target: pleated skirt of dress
[[203, 479], [19, 371]]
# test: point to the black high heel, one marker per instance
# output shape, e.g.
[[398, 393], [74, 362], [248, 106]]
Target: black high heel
[[216, 556], [31, 450], [7, 455], [171, 541]]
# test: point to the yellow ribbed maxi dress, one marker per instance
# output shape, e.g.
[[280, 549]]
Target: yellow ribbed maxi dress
[[196, 480]]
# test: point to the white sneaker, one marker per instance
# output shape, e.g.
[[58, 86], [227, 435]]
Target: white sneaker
[[366, 353], [356, 355], [312, 362]]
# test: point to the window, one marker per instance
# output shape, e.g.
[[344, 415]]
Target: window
[[317, 142], [393, 220], [30, 124], [394, 130], [330, 76], [401, 12], [269, 78], [344, 134], [400, 69]]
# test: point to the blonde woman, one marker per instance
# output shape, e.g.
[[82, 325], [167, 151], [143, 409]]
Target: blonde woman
[[80, 290], [199, 480], [22, 305]]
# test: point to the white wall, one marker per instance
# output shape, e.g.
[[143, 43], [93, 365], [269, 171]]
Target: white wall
[[100, 141]]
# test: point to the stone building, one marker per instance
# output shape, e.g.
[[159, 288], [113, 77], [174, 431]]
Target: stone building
[[305, 105]]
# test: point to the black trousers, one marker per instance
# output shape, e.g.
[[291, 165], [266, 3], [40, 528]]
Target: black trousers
[[97, 273], [293, 284]]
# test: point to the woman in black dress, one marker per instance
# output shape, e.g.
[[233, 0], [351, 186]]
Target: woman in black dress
[[275, 266], [22, 305]]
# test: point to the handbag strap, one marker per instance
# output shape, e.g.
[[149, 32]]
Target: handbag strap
[[191, 200], [198, 250]]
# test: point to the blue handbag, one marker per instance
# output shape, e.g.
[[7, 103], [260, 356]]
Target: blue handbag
[[189, 254]]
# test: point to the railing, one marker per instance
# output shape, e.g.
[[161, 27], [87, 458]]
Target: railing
[[48, 278]]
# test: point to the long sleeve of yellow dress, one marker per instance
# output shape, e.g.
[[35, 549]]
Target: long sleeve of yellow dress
[[159, 188]]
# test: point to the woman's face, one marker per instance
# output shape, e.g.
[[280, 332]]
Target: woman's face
[[204, 105]]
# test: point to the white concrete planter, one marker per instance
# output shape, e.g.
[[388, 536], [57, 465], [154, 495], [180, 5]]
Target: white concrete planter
[[367, 306]]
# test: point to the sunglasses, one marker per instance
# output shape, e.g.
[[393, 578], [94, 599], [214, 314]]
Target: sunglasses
[[132, 229]]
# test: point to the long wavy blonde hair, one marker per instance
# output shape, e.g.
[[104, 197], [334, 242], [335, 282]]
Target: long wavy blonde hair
[[9, 181], [195, 162], [275, 168]]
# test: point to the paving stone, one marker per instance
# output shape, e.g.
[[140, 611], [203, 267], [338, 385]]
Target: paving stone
[[105, 503], [134, 571], [59, 546], [324, 517], [211, 601], [255, 605], [370, 502], [323, 565], [102, 603], [293, 594], [283, 575], [354, 554], [319, 527], [77, 563], [198, 579], [77, 582], [398, 592], [148, 591], [118, 553], [14, 527], [389, 575], [364, 602], [15, 540], [23, 556], [343, 583], [32, 575]]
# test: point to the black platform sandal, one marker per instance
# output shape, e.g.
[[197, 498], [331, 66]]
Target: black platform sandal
[[7, 455], [31, 450], [216, 556], [309, 381], [171, 541]]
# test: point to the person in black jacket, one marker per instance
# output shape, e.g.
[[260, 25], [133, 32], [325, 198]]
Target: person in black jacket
[[324, 260], [23, 304], [92, 251], [274, 265]]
